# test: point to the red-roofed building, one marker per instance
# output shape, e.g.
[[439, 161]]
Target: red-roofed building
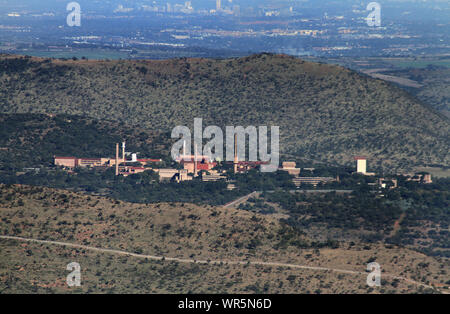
[[244, 166], [199, 158], [148, 161], [67, 162], [201, 166]]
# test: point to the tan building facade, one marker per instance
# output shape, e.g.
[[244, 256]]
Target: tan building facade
[[290, 167]]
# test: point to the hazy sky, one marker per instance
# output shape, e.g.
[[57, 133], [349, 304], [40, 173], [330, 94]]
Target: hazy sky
[[113, 3]]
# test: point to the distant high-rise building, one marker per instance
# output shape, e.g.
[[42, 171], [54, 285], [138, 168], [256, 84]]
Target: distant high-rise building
[[218, 5], [188, 5]]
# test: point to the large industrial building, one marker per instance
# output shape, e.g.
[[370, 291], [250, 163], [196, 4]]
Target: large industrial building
[[74, 162], [290, 167], [123, 165], [127, 166], [298, 181], [201, 165]]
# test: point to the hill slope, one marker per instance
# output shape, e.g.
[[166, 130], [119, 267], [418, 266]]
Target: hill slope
[[325, 113], [31, 140], [435, 88], [189, 232]]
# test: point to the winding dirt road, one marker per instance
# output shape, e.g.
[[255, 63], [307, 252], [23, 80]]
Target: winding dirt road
[[241, 200], [217, 262]]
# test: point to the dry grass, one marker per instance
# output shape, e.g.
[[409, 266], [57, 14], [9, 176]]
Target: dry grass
[[180, 230]]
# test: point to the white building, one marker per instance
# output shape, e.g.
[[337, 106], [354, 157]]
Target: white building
[[361, 164]]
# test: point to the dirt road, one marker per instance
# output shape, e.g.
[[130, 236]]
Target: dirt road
[[216, 262]]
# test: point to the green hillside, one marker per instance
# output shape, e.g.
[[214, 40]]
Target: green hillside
[[325, 113], [435, 88], [31, 140]]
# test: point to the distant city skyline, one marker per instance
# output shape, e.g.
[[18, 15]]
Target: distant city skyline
[[233, 27]]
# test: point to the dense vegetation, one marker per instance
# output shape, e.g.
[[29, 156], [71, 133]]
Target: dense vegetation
[[435, 83], [31, 140], [415, 215], [326, 113], [427, 216], [146, 188], [361, 209]]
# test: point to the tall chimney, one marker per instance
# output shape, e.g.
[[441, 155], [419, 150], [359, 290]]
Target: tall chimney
[[117, 159], [123, 151], [195, 160], [235, 154]]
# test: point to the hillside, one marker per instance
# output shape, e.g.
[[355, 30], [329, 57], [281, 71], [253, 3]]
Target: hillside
[[31, 140], [435, 83], [191, 233], [325, 112], [413, 216]]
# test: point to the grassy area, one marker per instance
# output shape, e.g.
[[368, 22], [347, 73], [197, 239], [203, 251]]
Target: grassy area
[[435, 171], [103, 273], [401, 63]]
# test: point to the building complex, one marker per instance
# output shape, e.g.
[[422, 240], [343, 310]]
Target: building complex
[[191, 166]]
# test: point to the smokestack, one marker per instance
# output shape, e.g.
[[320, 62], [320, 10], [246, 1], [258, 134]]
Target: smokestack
[[117, 159], [195, 160], [235, 154], [184, 150], [123, 151]]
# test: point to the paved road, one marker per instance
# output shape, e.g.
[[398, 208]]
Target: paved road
[[192, 261]]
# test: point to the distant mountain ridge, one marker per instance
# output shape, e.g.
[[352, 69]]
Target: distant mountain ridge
[[326, 113]]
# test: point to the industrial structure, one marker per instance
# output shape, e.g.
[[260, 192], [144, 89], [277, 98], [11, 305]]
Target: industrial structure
[[361, 164], [422, 178], [298, 181], [387, 183], [125, 167], [290, 167], [204, 167], [121, 164]]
